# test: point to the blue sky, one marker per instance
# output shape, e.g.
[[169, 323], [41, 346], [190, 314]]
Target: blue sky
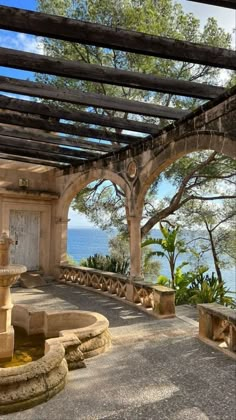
[[225, 18]]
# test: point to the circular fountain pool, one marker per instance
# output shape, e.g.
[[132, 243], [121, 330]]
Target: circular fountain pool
[[70, 337]]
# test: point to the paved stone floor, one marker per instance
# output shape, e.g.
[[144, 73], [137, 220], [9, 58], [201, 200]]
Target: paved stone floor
[[155, 369]]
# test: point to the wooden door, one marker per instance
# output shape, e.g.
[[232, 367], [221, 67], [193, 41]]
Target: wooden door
[[25, 231]]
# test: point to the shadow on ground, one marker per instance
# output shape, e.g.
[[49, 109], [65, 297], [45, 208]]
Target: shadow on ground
[[64, 297]]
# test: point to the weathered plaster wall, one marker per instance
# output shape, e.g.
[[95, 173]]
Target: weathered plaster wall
[[39, 196]]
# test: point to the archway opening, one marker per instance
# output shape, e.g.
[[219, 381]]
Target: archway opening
[[97, 228], [189, 223]]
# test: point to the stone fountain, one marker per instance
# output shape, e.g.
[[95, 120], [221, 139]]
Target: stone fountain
[[8, 275], [70, 337]]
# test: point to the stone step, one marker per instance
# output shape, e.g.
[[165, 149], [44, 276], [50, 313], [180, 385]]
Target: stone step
[[30, 280]]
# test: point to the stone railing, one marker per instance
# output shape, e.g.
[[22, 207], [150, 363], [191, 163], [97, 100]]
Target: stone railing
[[159, 300], [217, 326]]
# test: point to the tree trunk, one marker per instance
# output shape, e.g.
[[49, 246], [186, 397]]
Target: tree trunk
[[215, 258], [172, 271]]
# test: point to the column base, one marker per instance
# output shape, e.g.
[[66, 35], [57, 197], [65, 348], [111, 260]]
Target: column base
[[7, 344]]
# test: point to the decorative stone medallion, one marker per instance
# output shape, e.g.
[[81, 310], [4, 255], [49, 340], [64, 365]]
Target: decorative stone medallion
[[132, 169]]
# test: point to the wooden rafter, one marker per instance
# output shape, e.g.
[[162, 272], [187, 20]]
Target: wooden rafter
[[95, 73], [45, 146], [76, 96], [116, 38], [34, 161], [27, 127], [38, 154], [45, 137], [230, 4], [43, 110], [40, 123]]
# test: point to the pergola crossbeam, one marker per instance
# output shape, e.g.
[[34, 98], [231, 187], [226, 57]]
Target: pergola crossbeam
[[115, 38], [39, 154], [33, 161], [44, 146], [75, 96], [51, 111], [230, 4], [44, 137], [40, 123], [100, 74]]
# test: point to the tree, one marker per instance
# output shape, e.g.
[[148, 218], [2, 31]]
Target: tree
[[159, 17], [102, 201], [199, 177], [171, 247], [217, 233]]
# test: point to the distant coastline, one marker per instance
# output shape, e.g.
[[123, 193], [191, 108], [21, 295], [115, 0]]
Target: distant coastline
[[85, 241]]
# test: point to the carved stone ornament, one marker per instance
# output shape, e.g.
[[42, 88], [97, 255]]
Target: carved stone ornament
[[132, 169]]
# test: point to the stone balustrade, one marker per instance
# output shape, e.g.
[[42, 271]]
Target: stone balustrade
[[159, 300], [217, 326]]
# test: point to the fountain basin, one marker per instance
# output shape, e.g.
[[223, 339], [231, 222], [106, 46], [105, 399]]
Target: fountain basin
[[10, 273], [70, 337], [25, 386]]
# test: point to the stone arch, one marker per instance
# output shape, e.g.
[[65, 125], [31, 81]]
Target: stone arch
[[191, 142], [76, 182], [70, 185]]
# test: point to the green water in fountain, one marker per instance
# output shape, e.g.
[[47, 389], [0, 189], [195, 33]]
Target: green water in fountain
[[28, 348]]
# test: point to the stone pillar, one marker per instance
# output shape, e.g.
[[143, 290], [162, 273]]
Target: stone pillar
[[60, 245], [135, 255], [135, 247]]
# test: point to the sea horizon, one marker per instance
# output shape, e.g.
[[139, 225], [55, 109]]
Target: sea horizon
[[95, 241]]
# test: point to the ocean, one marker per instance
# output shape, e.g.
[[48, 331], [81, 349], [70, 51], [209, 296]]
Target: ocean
[[84, 242]]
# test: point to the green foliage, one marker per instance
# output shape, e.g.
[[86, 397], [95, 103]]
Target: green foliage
[[209, 293], [71, 260], [171, 247], [163, 280], [103, 202], [106, 263]]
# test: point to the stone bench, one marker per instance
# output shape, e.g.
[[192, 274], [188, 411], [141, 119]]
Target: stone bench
[[160, 298], [218, 323]]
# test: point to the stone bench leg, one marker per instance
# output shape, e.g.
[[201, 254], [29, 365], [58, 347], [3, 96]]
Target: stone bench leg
[[232, 337], [206, 324], [164, 304]]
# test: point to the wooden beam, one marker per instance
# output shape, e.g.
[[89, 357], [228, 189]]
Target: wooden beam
[[100, 74], [48, 138], [76, 96], [42, 124], [116, 38], [78, 116], [20, 151], [34, 161], [46, 147], [229, 4]]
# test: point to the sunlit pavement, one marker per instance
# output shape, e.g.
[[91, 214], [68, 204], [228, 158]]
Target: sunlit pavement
[[154, 370]]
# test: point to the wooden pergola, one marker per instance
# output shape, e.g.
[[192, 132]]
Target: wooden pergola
[[47, 134]]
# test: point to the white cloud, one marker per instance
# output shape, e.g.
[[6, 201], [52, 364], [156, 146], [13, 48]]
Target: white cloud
[[20, 41]]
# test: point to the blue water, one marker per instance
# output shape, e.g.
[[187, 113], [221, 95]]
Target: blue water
[[84, 242]]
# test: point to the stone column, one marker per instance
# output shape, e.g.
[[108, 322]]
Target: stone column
[[135, 254], [60, 243], [135, 247]]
